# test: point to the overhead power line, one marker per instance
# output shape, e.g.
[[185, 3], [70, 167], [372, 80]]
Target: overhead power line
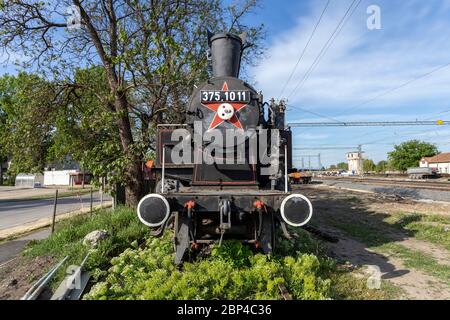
[[304, 49], [368, 124], [327, 45], [313, 112], [323, 148], [393, 89]]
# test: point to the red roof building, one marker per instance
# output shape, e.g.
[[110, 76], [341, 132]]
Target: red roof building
[[440, 161]]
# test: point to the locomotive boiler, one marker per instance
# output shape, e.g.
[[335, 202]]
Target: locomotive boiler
[[224, 173]]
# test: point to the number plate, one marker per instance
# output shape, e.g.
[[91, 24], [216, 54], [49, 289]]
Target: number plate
[[208, 96]]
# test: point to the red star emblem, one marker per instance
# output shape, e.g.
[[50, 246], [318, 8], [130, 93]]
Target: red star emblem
[[214, 106]]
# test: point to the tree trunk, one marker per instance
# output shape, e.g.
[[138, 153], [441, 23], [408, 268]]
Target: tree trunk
[[134, 181]]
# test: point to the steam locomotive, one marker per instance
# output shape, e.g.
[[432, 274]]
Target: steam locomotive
[[212, 187]]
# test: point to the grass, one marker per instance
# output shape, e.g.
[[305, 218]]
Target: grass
[[124, 269], [122, 225], [347, 286], [367, 233], [424, 227], [418, 260], [381, 241]]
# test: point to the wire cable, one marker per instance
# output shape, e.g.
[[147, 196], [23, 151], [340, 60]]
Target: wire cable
[[314, 113], [304, 49], [393, 89], [327, 45]]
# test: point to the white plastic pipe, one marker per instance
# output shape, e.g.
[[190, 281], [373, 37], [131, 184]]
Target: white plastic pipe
[[285, 169], [163, 168]]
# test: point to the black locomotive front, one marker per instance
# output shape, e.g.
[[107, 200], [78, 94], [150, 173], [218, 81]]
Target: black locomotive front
[[222, 174]]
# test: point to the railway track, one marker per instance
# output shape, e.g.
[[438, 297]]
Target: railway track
[[435, 185]]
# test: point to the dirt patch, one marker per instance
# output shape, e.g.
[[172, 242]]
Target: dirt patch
[[414, 284], [18, 275], [441, 255], [342, 213], [411, 206]]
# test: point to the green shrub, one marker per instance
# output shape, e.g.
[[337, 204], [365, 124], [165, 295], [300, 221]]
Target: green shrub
[[232, 271]]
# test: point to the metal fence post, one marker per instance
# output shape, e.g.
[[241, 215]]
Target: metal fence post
[[91, 200], [101, 194], [55, 203], [114, 197]]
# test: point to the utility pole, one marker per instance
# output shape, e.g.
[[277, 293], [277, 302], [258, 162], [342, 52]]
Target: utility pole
[[320, 162], [361, 163]]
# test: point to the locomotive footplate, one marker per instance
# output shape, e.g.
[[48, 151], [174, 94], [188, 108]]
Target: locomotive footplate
[[208, 217], [210, 201]]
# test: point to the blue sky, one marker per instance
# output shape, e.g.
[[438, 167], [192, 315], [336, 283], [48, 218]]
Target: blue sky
[[361, 64]]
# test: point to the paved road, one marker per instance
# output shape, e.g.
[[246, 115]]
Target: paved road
[[414, 193], [19, 212], [14, 193]]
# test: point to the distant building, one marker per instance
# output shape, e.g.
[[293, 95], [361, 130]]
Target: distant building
[[355, 162], [440, 162], [66, 172], [66, 178]]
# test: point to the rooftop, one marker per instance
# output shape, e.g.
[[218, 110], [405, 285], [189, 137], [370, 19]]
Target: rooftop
[[442, 157]]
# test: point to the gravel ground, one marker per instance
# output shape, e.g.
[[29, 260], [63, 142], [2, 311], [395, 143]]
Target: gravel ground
[[414, 193]]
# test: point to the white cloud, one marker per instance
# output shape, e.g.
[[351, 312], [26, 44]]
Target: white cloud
[[360, 65]]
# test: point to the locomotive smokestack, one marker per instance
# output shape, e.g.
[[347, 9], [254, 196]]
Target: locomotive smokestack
[[226, 52]]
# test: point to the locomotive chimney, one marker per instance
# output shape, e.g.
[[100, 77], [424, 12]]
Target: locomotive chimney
[[226, 52]]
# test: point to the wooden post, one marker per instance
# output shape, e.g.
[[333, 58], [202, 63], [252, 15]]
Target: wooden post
[[114, 196], [101, 193], [91, 201], [55, 203]]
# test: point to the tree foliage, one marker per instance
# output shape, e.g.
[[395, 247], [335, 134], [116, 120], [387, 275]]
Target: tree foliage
[[382, 166], [368, 165], [342, 166], [152, 53], [409, 153], [87, 129], [27, 108]]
